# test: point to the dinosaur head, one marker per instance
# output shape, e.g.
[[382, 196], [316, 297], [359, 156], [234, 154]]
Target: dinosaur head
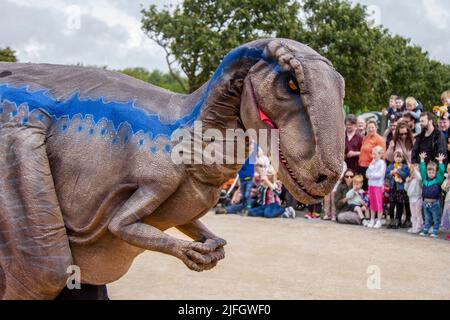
[[297, 91]]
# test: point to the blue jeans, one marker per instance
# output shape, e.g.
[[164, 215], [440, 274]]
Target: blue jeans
[[246, 192], [267, 211], [432, 213], [235, 208]]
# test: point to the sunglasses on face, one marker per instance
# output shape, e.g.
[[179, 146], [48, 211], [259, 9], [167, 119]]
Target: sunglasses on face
[[347, 177]]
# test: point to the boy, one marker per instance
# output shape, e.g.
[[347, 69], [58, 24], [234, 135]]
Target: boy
[[355, 198], [412, 107], [431, 192]]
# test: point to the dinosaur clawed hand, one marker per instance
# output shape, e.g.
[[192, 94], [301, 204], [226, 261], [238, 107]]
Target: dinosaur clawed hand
[[200, 256]]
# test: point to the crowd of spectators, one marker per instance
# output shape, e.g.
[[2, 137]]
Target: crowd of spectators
[[396, 179]]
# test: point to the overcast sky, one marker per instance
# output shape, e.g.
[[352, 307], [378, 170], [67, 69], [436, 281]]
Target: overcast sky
[[107, 32]]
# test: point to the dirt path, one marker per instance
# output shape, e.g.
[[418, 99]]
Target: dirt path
[[297, 259]]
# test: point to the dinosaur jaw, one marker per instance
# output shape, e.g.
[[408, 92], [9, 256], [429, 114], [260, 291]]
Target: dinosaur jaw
[[288, 177], [294, 184]]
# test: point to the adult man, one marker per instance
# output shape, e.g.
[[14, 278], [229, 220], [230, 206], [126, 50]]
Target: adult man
[[431, 140], [444, 125], [353, 142]]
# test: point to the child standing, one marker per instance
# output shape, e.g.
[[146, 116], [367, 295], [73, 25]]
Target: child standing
[[446, 212], [396, 174], [413, 187], [355, 198], [432, 192], [375, 174]]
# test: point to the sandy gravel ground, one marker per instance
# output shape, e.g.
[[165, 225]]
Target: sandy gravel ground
[[297, 259]]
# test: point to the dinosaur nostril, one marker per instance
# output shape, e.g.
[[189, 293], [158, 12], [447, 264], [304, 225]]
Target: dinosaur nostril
[[321, 178]]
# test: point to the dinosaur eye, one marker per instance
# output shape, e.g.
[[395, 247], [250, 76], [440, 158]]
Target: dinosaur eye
[[293, 85]]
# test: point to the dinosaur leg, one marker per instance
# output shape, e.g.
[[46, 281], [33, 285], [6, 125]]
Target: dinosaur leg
[[34, 248], [128, 225]]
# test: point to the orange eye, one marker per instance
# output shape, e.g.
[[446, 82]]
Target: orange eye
[[292, 85]]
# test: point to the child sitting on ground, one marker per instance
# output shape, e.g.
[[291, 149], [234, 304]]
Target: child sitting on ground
[[396, 174], [355, 198], [269, 199], [432, 192], [413, 187], [446, 212]]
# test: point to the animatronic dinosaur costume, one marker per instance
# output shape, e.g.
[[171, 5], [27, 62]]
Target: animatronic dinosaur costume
[[86, 172]]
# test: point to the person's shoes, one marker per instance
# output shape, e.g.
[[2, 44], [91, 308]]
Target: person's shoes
[[377, 225], [292, 213], [390, 224], [308, 216], [371, 224], [289, 213], [410, 230], [221, 210], [365, 222], [423, 233], [244, 212], [407, 224], [395, 224], [312, 216], [434, 235]]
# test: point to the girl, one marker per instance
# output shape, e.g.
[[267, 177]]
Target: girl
[[396, 174], [413, 186], [375, 175]]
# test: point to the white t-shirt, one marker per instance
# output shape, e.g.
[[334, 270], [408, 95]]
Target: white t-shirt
[[376, 173]]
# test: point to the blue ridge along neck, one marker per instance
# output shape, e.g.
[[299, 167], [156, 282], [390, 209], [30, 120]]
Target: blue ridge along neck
[[119, 113]]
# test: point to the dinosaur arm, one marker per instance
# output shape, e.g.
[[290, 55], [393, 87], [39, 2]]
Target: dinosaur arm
[[197, 231], [128, 226]]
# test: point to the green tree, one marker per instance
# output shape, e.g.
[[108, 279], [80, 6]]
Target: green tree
[[8, 55], [375, 64], [198, 33], [157, 78]]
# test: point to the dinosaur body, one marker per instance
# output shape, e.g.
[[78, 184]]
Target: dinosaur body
[[86, 162]]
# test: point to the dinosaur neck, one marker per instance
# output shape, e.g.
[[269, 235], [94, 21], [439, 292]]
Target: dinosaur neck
[[220, 112]]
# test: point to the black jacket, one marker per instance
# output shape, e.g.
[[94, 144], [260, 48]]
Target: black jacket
[[439, 145]]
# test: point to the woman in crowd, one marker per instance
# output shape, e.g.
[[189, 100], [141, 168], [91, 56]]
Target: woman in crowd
[[344, 215], [403, 141], [372, 140]]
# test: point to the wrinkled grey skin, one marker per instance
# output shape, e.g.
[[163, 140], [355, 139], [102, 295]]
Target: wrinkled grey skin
[[72, 195]]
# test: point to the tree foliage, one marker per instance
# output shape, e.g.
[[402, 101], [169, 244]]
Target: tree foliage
[[198, 33], [374, 63], [8, 55], [157, 78]]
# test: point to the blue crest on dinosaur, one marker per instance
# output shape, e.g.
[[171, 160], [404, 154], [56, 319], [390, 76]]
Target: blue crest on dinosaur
[[119, 113]]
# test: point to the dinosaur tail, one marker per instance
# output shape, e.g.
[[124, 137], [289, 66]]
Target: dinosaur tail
[[34, 248]]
